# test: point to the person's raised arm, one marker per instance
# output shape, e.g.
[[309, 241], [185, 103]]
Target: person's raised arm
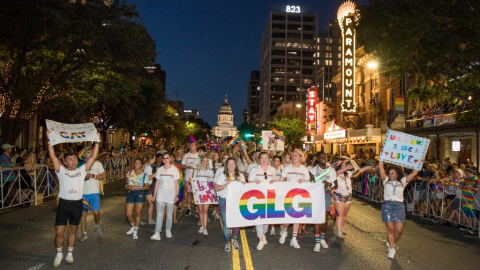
[[51, 152], [96, 148], [381, 171], [411, 175]]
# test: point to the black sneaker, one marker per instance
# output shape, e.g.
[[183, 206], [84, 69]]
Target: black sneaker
[[188, 212]]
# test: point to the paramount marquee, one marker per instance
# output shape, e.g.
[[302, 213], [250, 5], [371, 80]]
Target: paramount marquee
[[346, 20]]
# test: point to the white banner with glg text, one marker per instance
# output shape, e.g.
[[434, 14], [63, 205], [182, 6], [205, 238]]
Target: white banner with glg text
[[71, 133], [277, 203], [204, 191]]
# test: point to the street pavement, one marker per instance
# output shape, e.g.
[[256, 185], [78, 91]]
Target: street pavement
[[27, 235]]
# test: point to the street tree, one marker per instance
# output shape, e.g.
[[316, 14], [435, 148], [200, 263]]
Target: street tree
[[52, 52], [437, 41]]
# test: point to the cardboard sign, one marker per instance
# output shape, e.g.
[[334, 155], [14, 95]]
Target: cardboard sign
[[268, 137], [204, 191], [71, 133], [404, 149], [277, 203]]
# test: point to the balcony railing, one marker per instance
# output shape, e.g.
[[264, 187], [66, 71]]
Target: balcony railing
[[431, 121]]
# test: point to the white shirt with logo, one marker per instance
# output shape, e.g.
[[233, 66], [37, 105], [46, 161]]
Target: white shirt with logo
[[71, 183]]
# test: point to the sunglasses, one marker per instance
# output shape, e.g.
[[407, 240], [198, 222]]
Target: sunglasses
[[166, 158], [265, 173]]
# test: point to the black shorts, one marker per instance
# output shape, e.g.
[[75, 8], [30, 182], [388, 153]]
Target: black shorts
[[450, 197], [68, 211]]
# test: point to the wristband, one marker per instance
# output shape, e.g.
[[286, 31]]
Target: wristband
[[93, 176]]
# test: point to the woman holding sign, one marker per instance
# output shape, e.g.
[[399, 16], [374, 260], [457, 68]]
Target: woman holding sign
[[222, 182], [294, 172], [203, 175], [262, 173], [393, 209], [342, 196]]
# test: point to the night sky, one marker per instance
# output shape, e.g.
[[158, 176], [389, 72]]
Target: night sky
[[208, 48]]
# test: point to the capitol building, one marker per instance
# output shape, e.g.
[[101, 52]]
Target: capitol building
[[225, 127]]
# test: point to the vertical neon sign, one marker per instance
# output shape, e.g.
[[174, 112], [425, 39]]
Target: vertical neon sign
[[312, 94], [346, 20]]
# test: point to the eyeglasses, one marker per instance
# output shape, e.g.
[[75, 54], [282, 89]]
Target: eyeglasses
[[166, 158], [265, 173]]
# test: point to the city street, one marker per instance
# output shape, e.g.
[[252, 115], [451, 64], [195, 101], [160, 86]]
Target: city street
[[27, 243]]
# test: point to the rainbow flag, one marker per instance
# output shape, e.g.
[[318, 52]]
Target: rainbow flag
[[208, 137], [278, 134], [192, 139], [234, 140], [180, 182], [86, 205]]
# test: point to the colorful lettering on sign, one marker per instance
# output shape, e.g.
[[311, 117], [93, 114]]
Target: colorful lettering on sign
[[72, 135], [266, 208]]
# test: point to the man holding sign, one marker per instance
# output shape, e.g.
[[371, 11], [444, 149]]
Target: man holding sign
[[71, 180]]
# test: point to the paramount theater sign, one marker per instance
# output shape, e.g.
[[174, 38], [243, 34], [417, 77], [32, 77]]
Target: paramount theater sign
[[346, 20]]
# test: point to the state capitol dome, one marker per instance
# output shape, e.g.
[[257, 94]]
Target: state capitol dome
[[225, 127]]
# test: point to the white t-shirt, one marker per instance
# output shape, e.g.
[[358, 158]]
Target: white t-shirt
[[278, 173], [92, 185], [250, 167], [203, 175], [167, 181], [219, 171], [344, 184], [329, 177], [241, 165], [189, 160], [292, 173], [393, 190], [258, 174], [71, 183], [222, 179], [149, 171]]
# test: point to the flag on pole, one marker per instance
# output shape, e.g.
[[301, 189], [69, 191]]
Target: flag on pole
[[278, 134], [208, 137], [234, 140]]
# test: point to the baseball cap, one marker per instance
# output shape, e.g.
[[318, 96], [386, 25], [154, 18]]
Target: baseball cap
[[433, 165], [7, 146], [81, 153]]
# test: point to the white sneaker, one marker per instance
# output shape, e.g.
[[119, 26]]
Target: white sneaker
[[168, 233], [217, 216], [294, 243], [260, 245], [340, 235], [83, 237], [156, 236], [201, 230], [388, 245], [131, 230], [283, 236], [391, 253], [272, 231], [323, 243], [58, 259], [265, 240], [135, 236], [214, 213], [69, 258], [317, 247], [205, 232]]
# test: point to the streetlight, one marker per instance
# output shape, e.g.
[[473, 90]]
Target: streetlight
[[372, 65], [299, 105]]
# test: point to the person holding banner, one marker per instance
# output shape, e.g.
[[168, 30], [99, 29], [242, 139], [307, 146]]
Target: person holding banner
[[166, 195], [342, 196], [137, 186], [294, 172], [262, 173], [222, 182], [329, 178], [203, 173], [393, 208], [277, 165], [71, 180]]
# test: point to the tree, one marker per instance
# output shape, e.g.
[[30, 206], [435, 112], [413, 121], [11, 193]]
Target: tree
[[54, 52], [437, 41], [292, 128]]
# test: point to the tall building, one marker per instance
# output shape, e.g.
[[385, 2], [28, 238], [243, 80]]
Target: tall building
[[225, 127], [287, 64], [329, 61], [253, 99]]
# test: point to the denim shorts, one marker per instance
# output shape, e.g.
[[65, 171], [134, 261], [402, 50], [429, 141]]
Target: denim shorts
[[136, 196], [393, 212], [91, 202]]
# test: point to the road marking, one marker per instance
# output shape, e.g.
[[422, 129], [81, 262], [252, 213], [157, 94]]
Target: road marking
[[36, 267], [235, 259], [246, 251]]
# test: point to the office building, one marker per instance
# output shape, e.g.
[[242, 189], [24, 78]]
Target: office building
[[328, 61], [253, 99]]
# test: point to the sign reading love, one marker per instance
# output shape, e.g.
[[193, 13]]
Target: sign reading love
[[404, 149]]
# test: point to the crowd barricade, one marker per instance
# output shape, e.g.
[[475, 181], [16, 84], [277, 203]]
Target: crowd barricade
[[421, 201], [19, 187]]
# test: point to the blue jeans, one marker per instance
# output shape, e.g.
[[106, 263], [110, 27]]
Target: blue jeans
[[160, 210], [222, 205]]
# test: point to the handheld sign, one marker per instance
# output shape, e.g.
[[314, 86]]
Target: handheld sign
[[71, 133], [204, 192], [404, 149]]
